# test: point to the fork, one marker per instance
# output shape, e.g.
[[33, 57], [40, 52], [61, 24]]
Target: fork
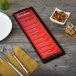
[[12, 53], [2, 55]]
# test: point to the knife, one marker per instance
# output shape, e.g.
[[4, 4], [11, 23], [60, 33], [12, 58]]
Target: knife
[[6, 59]]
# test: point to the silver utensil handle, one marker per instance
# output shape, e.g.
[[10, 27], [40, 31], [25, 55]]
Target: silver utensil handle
[[21, 64], [20, 73]]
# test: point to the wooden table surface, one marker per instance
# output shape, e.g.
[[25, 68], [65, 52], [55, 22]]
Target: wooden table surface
[[62, 66]]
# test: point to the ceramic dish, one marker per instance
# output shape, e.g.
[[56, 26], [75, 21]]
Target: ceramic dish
[[61, 23], [5, 26]]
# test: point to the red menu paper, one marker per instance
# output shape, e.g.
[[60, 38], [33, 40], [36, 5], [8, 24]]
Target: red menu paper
[[45, 44]]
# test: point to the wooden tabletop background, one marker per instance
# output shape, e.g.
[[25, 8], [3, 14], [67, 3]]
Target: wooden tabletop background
[[62, 66]]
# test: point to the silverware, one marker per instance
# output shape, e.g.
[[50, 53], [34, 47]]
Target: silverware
[[12, 53], [6, 59]]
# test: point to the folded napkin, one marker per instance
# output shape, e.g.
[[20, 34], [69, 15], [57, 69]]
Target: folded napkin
[[27, 61]]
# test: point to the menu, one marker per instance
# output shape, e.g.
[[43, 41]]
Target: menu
[[45, 45]]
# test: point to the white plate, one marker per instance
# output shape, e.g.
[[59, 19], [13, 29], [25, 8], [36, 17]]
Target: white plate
[[61, 23], [5, 26]]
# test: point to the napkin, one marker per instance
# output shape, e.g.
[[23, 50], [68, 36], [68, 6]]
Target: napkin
[[27, 61]]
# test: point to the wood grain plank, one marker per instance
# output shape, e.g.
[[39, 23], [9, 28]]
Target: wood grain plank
[[63, 66]]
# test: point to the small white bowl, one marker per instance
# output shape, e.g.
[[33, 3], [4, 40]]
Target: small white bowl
[[61, 23]]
